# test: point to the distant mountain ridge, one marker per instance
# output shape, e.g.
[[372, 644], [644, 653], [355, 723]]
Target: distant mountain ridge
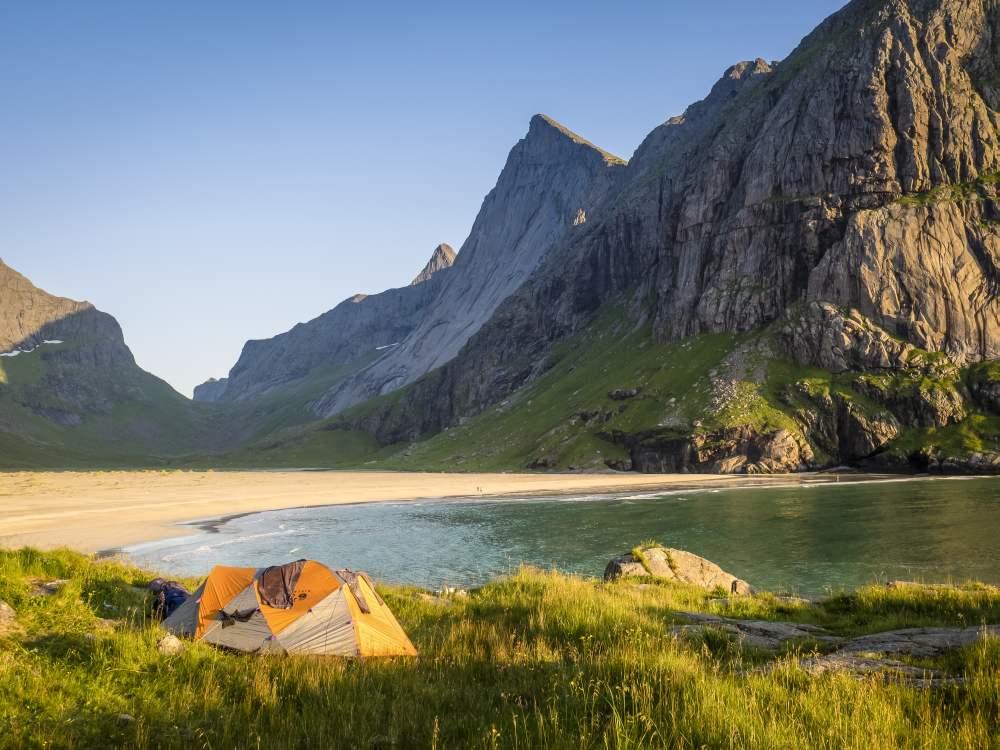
[[358, 327]]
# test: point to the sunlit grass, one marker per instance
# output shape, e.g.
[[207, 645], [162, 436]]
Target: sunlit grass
[[538, 659]]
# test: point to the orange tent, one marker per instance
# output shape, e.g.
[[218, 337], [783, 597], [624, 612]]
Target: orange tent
[[298, 608]]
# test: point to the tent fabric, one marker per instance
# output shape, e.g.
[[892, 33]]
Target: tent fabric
[[221, 587], [184, 620], [276, 585], [351, 579], [326, 629], [315, 583], [335, 614]]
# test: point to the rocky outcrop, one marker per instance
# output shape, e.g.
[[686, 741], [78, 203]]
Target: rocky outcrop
[[442, 257], [675, 565], [857, 174], [984, 385], [740, 450], [211, 390], [550, 176], [764, 634], [841, 426], [883, 654], [839, 340]]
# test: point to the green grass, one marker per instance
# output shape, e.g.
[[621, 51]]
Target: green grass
[[534, 660], [974, 434], [956, 193], [565, 416], [149, 425]]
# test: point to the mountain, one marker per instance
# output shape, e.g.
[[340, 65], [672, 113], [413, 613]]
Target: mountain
[[552, 181], [800, 271], [70, 390], [350, 334], [820, 234], [442, 257], [552, 177]]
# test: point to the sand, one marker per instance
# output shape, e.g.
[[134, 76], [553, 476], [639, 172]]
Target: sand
[[94, 511]]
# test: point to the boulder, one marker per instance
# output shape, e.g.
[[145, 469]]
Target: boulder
[[623, 394], [170, 645], [764, 634], [7, 615], [675, 565]]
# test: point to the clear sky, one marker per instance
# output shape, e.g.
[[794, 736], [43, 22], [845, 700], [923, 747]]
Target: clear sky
[[210, 172]]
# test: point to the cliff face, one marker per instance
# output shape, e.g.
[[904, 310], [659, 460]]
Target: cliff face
[[360, 326], [551, 185], [859, 174]]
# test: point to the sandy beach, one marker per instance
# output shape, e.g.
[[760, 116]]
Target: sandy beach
[[93, 511]]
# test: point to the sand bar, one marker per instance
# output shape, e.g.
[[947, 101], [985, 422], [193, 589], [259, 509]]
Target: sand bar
[[92, 511]]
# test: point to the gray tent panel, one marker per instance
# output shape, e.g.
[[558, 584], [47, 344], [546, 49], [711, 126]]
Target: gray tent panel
[[184, 620], [240, 624], [326, 629], [251, 635]]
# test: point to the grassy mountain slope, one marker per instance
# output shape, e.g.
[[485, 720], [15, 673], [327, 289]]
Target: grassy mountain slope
[[612, 387]]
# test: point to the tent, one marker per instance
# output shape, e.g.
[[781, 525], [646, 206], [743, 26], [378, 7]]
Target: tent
[[299, 608]]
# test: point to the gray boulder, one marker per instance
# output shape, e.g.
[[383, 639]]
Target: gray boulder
[[170, 645], [675, 565]]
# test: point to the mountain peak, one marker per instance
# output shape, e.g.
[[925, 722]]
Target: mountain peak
[[442, 257], [543, 123]]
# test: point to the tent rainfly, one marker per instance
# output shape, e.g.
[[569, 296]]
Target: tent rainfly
[[298, 608]]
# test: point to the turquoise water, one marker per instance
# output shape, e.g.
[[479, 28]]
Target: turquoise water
[[806, 540]]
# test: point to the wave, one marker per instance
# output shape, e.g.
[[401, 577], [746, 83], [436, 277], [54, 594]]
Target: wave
[[225, 543]]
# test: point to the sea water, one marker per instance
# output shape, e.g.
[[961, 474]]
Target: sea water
[[810, 539]]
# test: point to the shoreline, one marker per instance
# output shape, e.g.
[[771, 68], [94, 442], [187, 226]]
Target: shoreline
[[99, 511], [108, 512]]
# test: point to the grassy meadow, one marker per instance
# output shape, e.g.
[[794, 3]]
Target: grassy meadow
[[537, 659]]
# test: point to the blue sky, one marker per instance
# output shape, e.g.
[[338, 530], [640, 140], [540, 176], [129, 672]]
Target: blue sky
[[210, 172]]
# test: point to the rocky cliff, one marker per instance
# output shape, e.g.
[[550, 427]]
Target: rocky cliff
[[550, 186], [854, 181], [364, 326]]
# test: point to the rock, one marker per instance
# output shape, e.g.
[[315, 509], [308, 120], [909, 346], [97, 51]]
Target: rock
[[918, 642], [823, 335], [8, 616], [53, 587], [984, 384], [624, 394], [676, 565], [125, 719], [867, 655], [740, 450], [211, 391], [757, 633], [889, 669], [442, 257], [170, 645]]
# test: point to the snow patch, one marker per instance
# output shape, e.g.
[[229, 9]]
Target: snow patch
[[16, 352], [387, 346]]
